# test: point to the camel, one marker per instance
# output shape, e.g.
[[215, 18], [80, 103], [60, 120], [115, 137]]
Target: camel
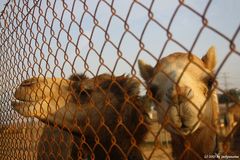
[[233, 114], [183, 87], [104, 115], [234, 122]]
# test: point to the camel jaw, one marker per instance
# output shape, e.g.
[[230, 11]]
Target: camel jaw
[[23, 107]]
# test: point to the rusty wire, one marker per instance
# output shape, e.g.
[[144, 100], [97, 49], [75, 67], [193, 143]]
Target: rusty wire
[[37, 40]]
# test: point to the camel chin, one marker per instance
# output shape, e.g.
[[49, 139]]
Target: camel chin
[[23, 107]]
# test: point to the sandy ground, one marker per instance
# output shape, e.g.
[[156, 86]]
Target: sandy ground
[[157, 144], [19, 142], [152, 152]]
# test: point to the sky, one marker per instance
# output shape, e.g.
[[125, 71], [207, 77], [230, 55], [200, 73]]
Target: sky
[[68, 39]]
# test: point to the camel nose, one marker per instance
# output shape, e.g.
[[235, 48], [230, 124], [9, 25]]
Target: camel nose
[[180, 94], [184, 91], [29, 82]]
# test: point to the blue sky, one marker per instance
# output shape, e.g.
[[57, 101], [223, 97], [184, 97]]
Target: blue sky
[[49, 52]]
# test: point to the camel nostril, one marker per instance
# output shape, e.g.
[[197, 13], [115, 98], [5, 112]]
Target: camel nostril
[[185, 92], [29, 82], [184, 125], [189, 93]]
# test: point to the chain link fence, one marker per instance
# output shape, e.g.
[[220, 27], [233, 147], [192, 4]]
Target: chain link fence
[[69, 41]]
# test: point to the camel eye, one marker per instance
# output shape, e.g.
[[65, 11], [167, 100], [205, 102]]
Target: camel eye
[[209, 82], [154, 90]]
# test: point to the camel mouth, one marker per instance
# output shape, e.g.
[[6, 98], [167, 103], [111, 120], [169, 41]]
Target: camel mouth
[[21, 106], [17, 103], [185, 130], [24, 99], [182, 125], [182, 130], [20, 98], [188, 129]]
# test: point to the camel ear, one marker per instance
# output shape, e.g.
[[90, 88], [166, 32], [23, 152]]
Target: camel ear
[[210, 58], [146, 70]]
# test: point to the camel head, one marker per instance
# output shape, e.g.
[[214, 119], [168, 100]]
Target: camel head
[[48, 99], [66, 102], [181, 85], [58, 100]]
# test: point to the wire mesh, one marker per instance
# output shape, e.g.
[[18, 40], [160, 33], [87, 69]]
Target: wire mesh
[[112, 116]]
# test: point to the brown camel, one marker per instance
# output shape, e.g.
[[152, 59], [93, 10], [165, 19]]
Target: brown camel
[[183, 90], [234, 120], [104, 115]]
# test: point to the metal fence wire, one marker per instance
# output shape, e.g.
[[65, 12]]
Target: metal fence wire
[[75, 81]]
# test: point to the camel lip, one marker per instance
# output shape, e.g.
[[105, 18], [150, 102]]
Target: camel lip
[[182, 130], [19, 105], [22, 107], [20, 102], [21, 98], [185, 130], [15, 103]]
